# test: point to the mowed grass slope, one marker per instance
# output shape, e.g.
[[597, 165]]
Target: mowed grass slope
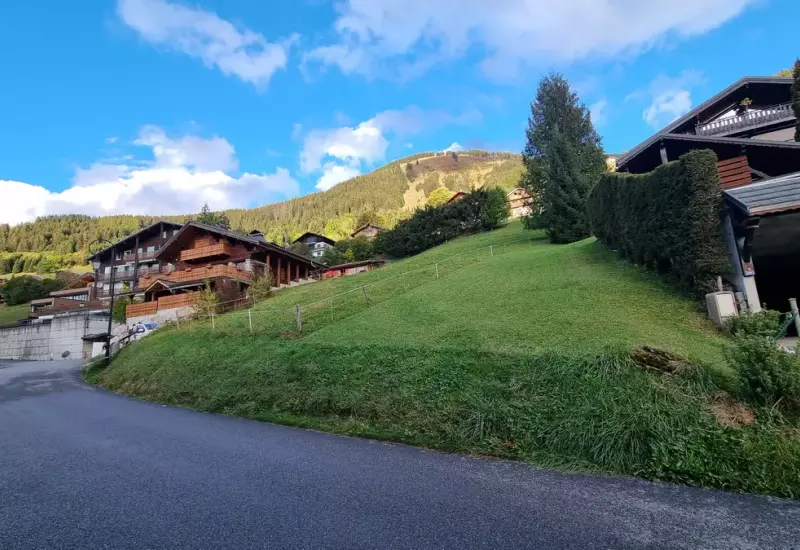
[[521, 354]]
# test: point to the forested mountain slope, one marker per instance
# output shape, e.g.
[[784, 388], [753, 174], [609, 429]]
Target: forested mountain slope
[[384, 195]]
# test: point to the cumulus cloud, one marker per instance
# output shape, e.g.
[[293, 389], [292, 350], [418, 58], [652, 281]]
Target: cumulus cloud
[[454, 148], [234, 50], [342, 153], [183, 174], [404, 38], [670, 97]]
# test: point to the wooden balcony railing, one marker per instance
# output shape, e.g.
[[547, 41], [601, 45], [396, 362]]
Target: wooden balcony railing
[[176, 300], [750, 119], [208, 251], [198, 274]]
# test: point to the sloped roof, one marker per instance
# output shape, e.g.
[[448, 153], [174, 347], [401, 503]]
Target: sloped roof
[[311, 234], [702, 108], [363, 227], [770, 196], [132, 235], [259, 242]]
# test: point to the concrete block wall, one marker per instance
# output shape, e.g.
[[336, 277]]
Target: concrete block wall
[[48, 339]]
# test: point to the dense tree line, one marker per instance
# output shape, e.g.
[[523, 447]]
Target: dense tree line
[[35, 262], [21, 290], [667, 220], [478, 210], [377, 196]]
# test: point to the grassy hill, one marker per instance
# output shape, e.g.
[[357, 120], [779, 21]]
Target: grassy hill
[[521, 350], [386, 194]]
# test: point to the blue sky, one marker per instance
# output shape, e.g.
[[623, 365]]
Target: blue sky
[[157, 106]]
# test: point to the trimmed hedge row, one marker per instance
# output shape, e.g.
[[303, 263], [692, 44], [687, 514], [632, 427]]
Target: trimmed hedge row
[[668, 220]]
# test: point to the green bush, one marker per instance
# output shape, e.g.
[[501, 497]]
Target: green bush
[[20, 290], [478, 210], [765, 323], [769, 375], [667, 220]]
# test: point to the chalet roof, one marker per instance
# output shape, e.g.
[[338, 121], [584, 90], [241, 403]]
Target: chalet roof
[[310, 234], [150, 227], [770, 196], [259, 242], [714, 106], [363, 227]]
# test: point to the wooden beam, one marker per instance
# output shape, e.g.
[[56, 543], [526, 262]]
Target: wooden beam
[[297, 272], [278, 275], [663, 151]]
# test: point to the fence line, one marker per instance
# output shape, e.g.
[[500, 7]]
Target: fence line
[[305, 318]]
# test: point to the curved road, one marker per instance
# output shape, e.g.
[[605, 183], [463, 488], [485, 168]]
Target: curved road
[[84, 468]]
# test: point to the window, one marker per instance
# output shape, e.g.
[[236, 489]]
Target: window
[[107, 269], [118, 256], [140, 250], [129, 253], [151, 249]]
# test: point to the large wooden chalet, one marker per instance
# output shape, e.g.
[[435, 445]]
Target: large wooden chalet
[[196, 253], [750, 126]]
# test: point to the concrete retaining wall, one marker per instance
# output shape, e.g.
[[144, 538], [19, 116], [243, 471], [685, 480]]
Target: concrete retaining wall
[[48, 339]]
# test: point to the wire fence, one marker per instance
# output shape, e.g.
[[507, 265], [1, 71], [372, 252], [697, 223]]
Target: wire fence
[[367, 290]]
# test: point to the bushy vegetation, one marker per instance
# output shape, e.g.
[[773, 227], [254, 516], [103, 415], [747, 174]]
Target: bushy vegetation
[[478, 210], [764, 324], [20, 290], [335, 213], [349, 250], [563, 159], [770, 376], [667, 220]]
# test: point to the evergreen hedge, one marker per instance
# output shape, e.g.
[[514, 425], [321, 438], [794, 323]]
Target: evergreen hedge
[[668, 220]]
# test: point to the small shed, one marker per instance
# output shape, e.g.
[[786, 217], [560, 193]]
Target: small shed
[[352, 268], [368, 230]]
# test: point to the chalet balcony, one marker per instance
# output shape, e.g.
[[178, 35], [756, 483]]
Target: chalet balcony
[[747, 121], [126, 275], [208, 251], [198, 274]]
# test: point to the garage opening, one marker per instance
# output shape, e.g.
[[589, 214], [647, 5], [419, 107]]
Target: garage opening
[[776, 257]]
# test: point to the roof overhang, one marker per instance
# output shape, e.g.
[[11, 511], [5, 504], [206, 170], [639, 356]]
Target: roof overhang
[[767, 197]]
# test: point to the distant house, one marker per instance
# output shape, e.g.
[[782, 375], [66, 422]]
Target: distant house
[[343, 270], [520, 202], [368, 231], [457, 197], [316, 242]]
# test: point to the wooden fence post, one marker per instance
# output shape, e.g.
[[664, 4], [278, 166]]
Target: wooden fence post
[[491, 250], [213, 327], [298, 318], [364, 291], [437, 270], [250, 319], [405, 289]]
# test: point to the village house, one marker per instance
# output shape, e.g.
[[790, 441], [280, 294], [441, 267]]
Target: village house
[[77, 294], [750, 126], [519, 202], [316, 243], [352, 268], [200, 254], [369, 231]]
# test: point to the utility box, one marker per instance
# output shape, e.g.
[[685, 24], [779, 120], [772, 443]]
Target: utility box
[[721, 306]]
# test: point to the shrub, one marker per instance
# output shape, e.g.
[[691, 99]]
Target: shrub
[[769, 374], [668, 220], [21, 290], [765, 323], [261, 287], [206, 301]]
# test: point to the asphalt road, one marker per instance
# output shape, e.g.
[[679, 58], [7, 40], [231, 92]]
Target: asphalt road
[[84, 468]]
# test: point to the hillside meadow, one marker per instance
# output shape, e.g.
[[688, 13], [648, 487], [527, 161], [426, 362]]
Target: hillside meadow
[[498, 343]]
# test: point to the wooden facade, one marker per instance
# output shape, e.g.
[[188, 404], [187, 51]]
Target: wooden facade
[[200, 253], [369, 231], [734, 172], [352, 268], [519, 202]]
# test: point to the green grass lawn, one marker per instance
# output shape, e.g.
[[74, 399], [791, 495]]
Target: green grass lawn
[[9, 314], [521, 352]]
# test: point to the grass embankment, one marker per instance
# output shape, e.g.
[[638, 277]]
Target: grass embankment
[[9, 314], [523, 355]]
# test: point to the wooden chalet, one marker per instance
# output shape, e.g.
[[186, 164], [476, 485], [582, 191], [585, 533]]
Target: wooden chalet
[[369, 231], [315, 242], [200, 253], [352, 268], [519, 202], [749, 125]]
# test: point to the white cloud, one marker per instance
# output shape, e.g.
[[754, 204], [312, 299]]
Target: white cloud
[[334, 174], [599, 112], [347, 150], [403, 38], [670, 97], [234, 50], [184, 174], [454, 148]]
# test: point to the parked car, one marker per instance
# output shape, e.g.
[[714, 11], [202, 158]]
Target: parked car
[[140, 330]]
